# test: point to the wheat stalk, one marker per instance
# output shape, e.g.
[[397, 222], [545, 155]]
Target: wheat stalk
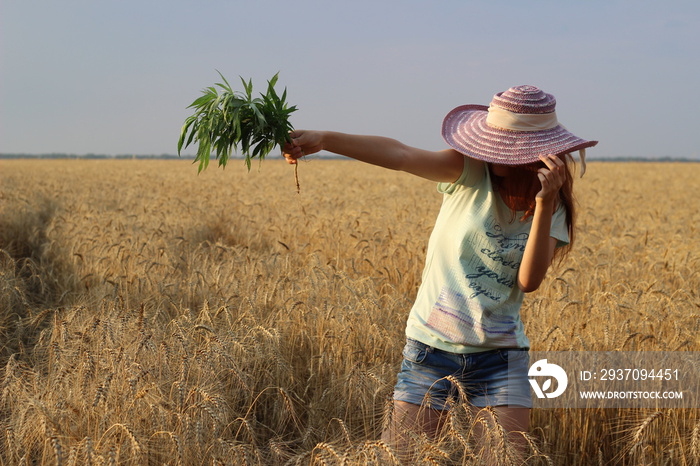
[[695, 444], [278, 451], [321, 448], [103, 389], [379, 447], [535, 449], [638, 436], [178, 448], [343, 429]]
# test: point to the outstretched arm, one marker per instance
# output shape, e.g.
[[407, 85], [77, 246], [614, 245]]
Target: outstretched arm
[[539, 250], [440, 166]]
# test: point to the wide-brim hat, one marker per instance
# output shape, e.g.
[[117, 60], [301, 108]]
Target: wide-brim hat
[[519, 126]]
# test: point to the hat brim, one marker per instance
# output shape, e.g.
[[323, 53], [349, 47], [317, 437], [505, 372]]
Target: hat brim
[[466, 131]]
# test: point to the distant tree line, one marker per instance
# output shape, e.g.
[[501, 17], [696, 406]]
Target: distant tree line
[[322, 155], [91, 156]]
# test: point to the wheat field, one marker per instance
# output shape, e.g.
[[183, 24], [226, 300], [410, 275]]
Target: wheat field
[[150, 315]]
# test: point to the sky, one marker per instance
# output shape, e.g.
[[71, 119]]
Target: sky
[[115, 77]]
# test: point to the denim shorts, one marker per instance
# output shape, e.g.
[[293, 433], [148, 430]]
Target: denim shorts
[[489, 378]]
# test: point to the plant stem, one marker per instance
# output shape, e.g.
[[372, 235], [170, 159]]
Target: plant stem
[[296, 177]]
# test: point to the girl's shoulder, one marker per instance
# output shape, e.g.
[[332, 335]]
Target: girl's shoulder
[[473, 173]]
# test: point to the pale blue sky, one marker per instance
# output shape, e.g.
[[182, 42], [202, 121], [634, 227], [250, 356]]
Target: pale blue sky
[[115, 76]]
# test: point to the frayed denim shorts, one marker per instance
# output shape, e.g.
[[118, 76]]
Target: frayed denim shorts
[[489, 378]]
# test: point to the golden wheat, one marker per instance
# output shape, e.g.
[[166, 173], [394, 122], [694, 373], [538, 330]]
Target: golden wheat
[[152, 315]]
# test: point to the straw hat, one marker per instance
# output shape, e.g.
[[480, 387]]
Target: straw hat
[[518, 126]]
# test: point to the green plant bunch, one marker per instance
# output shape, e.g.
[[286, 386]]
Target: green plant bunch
[[230, 121]]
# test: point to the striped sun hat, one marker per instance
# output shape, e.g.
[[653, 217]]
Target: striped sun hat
[[518, 126]]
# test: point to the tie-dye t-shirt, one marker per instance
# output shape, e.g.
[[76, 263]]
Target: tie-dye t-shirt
[[469, 299]]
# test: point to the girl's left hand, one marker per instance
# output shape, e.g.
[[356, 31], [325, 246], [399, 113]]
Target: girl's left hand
[[551, 178]]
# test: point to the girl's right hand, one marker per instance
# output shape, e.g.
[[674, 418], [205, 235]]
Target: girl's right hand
[[303, 143], [551, 178]]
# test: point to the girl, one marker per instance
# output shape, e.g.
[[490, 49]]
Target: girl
[[507, 210]]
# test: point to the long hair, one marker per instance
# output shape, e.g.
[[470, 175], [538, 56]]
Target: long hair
[[520, 186]]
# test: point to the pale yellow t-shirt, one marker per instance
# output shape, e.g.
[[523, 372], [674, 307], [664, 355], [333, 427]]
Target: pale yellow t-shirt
[[469, 300]]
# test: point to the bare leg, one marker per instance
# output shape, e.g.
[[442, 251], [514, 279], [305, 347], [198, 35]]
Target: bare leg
[[497, 432], [409, 421]]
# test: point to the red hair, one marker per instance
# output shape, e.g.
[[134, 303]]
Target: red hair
[[520, 186]]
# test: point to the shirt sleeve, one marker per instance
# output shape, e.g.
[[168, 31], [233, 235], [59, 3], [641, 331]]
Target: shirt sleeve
[[472, 173], [559, 230]]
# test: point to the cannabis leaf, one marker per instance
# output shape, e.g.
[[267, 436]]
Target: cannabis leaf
[[229, 121]]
